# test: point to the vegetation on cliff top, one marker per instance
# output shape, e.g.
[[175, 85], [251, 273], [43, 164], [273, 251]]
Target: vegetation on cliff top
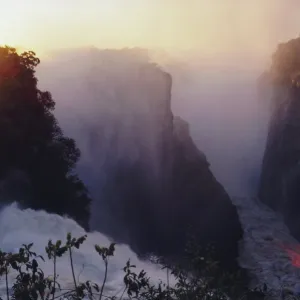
[[33, 144]]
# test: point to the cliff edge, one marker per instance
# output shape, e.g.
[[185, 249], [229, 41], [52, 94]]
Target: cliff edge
[[280, 177]]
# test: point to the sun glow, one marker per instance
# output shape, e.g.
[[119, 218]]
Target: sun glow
[[208, 26]]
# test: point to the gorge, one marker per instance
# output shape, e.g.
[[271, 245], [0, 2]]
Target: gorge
[[149, 179]]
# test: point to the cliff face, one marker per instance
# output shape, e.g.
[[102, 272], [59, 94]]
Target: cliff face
[[280, 178], [150, 183], [198, 200]]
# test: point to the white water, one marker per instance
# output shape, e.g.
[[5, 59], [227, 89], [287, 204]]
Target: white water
[[19, 227], [231, 142], [260, 251]]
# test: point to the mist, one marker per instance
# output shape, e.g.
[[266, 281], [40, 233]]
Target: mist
[[213, 54], [23, 226], [228, 119], [219, 99], [210, 27]]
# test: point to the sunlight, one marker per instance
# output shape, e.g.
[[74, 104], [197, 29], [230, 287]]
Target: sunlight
[[12, 22], [44, 25], [109, 7]]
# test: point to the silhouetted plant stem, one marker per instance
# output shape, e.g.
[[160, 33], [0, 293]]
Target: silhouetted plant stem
[[123, 293], [6, 282], [168, 283], [72, 267], [54, 273], [104, 280]]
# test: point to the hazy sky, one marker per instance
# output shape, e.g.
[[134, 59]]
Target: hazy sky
[[211, 26]]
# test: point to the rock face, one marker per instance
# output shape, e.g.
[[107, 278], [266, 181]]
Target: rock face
[[280, 178], [150, 183], [198, 199]]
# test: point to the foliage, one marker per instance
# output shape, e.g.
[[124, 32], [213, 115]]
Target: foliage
[[31, 283], [33, 142]]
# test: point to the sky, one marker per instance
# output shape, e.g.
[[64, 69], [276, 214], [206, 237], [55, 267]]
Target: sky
[[209, 26], [239, 33]]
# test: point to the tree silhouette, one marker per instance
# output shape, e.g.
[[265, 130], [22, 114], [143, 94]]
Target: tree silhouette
[[32, 142]]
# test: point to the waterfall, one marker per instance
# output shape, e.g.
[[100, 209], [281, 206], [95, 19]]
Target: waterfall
[[19, 227]]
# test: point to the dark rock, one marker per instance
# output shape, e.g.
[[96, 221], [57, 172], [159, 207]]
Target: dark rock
[[280, 177], [199, 200], [150, 183]]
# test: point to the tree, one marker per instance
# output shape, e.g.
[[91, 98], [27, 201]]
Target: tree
[[32, 141]]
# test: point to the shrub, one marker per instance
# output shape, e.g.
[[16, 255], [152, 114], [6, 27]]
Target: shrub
[[31, 283]]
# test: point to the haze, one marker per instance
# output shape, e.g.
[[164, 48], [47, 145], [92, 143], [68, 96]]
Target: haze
[[209, 26], [214, 49]]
